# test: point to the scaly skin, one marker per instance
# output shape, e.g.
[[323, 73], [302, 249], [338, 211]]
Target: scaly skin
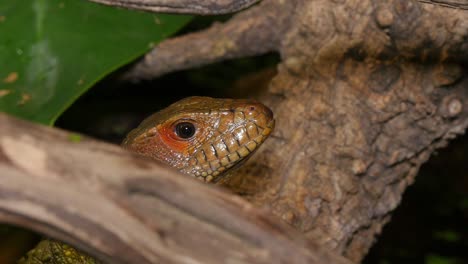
[[54, 252], [226, 133]]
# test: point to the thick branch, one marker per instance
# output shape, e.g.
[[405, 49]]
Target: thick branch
[[442, 34], [125, 209], [366, 91], [201, 7], [253, 32]]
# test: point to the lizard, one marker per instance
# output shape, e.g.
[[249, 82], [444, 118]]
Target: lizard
[[202, 137]]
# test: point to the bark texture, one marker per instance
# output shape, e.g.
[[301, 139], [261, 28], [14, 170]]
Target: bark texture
[[122, 208], [365, 92], [361, 101]]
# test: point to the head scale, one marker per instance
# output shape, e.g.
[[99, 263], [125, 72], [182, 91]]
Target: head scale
[[203, 136]]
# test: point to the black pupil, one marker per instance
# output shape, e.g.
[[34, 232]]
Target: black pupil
[[185, 130]]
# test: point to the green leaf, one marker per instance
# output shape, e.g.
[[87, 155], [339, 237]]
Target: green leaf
[[52, 51]]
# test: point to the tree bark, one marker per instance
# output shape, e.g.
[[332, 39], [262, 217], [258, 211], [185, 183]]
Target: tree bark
[[365, 92], [123, 208]]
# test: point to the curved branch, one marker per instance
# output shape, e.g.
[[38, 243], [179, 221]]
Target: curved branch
[[122, 208], [200, 7], [253, 32]]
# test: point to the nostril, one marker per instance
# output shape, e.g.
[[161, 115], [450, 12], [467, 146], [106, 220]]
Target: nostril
[[254, 109]]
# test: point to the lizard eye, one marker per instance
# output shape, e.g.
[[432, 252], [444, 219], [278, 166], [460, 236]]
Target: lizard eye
[[185, 130]]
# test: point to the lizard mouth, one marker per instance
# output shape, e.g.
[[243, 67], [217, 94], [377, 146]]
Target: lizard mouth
[[249, 125]]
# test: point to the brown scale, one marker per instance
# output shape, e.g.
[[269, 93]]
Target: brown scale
[[202, 136]]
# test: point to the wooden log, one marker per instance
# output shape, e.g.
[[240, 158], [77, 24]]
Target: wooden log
[[122, 208]]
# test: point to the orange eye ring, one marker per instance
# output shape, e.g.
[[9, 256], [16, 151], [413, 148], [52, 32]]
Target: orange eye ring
[[170, 134]]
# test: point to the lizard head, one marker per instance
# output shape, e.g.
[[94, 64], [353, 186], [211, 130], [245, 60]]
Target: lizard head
[[202, 136]]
